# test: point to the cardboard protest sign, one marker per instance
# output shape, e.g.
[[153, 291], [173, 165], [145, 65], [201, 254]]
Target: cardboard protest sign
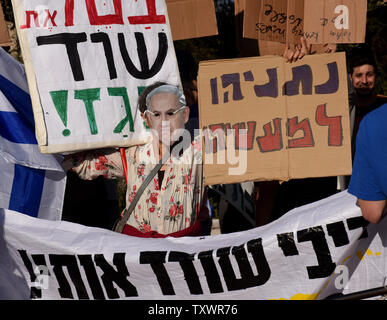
[[86, 62], [192, 18], [271, 24], [270, 48], [294, 22], [312, 252], [252, 9], [274, 20], [4, 35], [278, 48], [245, 47], [340, 21], [322, 21], [264, 119]]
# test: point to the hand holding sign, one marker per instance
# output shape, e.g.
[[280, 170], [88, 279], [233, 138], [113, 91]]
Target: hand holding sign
[[300, 50]]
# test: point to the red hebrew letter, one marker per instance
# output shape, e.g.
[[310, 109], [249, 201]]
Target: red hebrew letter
[[306, 140], [28, 20], [69, 13], [207, 140], [335, 129], [152, 16], [50, 17], [251, 125], [271, 141], [97, 20], [218, 133]]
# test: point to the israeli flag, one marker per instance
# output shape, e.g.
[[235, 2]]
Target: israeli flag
[[30, 182]]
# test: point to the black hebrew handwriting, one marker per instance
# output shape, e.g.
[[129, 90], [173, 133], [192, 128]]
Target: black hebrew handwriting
[[278, 22], [72, 40]]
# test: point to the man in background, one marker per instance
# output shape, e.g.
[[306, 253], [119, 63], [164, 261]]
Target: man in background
[[363, 75]]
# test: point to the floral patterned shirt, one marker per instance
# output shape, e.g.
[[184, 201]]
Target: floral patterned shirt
[[166, 209]]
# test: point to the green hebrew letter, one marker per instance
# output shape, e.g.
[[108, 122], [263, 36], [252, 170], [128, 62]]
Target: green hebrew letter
[[89, 96], [122, 92]]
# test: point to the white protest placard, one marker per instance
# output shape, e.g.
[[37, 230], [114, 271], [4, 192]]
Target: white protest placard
[[86, 62], [312, 252]]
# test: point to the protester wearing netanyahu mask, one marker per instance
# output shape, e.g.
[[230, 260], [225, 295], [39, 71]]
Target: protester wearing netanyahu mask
[[171, 202], [166, 112]]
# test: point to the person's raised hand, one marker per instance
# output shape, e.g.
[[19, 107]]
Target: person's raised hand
[[329, 48], [300, 50]]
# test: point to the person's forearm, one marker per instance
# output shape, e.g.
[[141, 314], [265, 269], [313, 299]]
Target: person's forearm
[[90, 165], [372, 211]]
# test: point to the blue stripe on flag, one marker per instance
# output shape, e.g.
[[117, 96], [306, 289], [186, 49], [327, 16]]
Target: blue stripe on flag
[[19, 99], [14, 128], [27, 189], [18, 126]]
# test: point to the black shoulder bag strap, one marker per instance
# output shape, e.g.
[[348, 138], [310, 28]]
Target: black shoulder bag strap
[[121, 222]]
